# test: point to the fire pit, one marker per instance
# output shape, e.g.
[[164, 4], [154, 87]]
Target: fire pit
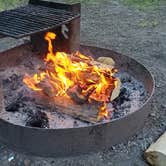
[[39, 120]]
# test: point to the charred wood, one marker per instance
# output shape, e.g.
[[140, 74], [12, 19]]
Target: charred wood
[[37, 119], [85, 112]]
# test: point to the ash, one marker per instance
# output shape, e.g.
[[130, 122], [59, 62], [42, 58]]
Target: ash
[[22, 109], [132, 96]]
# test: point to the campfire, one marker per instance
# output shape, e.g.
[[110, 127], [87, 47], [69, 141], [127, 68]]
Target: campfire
[[74, 76], [63, 99]]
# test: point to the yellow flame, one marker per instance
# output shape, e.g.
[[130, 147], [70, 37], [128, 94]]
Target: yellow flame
[[63, 71]]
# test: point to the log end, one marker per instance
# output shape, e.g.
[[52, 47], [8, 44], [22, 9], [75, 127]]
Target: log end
[[106, 60], [155, 158], [116, 91]]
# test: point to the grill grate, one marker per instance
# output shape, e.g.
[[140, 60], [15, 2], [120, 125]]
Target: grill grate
[[31, 19]]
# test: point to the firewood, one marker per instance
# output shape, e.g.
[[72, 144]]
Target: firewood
[[102, 65], [76, 95], [77, 57], [85, 112], [156, 153], [116, 91], [106, 60], [46, 89]]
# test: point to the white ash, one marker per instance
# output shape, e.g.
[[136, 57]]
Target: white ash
[[132, 96]]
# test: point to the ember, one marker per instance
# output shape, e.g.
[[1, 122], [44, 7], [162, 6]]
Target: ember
[[74, 76]]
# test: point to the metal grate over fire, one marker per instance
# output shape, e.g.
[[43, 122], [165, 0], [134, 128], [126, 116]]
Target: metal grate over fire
[[33, 18]]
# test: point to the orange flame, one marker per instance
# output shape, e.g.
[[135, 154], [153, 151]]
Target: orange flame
[[63, 71]]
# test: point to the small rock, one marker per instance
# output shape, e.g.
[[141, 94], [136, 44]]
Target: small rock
[[11, 158], [113, 147], [162, 124], [163, 106], [157, 85], [153, 114]]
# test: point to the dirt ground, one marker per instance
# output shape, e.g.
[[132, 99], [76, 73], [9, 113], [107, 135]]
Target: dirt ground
[[140, 34]]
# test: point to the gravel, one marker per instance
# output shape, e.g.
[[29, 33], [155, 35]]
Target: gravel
[[135, 33]]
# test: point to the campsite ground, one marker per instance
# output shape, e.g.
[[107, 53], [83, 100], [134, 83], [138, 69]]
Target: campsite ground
[[134, 29]]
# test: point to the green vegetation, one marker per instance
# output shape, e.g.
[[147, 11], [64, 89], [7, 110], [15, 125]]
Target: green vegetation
[[143, 4], [86, 1], [140, 4], [149, 23], [8, 4]]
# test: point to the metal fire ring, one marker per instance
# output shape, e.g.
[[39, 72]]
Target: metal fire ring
[[74, 141]]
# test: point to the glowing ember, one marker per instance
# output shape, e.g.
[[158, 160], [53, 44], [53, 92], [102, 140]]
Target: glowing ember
[[64, 71]]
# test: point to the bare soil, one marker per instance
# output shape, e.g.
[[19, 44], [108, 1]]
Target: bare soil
[[140, 34]]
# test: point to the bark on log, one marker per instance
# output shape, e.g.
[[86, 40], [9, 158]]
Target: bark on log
[[156, 153], [86, 112], [75, 94]]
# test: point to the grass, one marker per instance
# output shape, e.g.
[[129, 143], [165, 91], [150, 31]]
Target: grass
[[143, 4], [8, 4], [149, 23], [86, 1], [140, 4]]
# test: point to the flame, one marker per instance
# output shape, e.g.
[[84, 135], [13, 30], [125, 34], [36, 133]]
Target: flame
[[63, 71], [103, 111]]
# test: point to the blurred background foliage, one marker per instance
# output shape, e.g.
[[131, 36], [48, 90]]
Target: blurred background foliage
[[144, 4], [8, 4], [140, 4]]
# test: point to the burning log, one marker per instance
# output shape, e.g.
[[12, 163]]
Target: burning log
[[76, 76], [47, 89], [76, 95], [156, 153], [78, 57], [85, 112]]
